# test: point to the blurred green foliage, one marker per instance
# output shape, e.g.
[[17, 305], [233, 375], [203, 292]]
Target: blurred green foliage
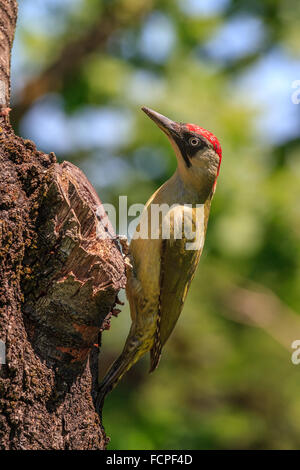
[[227, 66]]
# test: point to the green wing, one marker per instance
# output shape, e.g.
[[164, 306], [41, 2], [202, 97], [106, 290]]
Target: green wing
[[178, 267]]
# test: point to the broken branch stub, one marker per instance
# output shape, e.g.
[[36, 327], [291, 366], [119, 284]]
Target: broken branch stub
[[73, 271]]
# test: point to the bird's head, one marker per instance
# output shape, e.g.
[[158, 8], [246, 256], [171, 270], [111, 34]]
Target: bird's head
[[198, 151]]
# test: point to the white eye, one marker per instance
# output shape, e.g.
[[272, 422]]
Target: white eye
[[194, 141]]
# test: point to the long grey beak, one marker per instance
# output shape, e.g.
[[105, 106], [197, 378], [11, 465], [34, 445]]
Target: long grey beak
[[165, 124]]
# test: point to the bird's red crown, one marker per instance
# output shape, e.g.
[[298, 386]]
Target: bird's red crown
[[208, 135]]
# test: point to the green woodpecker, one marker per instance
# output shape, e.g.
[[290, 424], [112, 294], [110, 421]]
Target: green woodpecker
[[163, 266]]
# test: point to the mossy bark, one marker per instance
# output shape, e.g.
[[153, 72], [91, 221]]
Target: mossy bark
[[60, 273]]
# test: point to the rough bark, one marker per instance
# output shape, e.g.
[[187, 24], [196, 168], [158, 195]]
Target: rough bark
[[60, 272]]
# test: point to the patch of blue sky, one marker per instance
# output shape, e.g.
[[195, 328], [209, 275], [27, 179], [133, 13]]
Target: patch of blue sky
[[268, 85], [107, 127], [241, 35], [146, 87], [158, 37], [124, 42], [204, 8], [104, 169], [46, 124], [20, 70], [41, 16], [150, 161], [88, 129]]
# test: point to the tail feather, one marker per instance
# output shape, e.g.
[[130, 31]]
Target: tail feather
[[156, 349], [155, 355], [112, 377], [121, 365]]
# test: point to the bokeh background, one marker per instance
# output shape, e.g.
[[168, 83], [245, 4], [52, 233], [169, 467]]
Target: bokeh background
[[81, 69]]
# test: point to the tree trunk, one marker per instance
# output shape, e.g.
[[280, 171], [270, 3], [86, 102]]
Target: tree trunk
[[60, 273]]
